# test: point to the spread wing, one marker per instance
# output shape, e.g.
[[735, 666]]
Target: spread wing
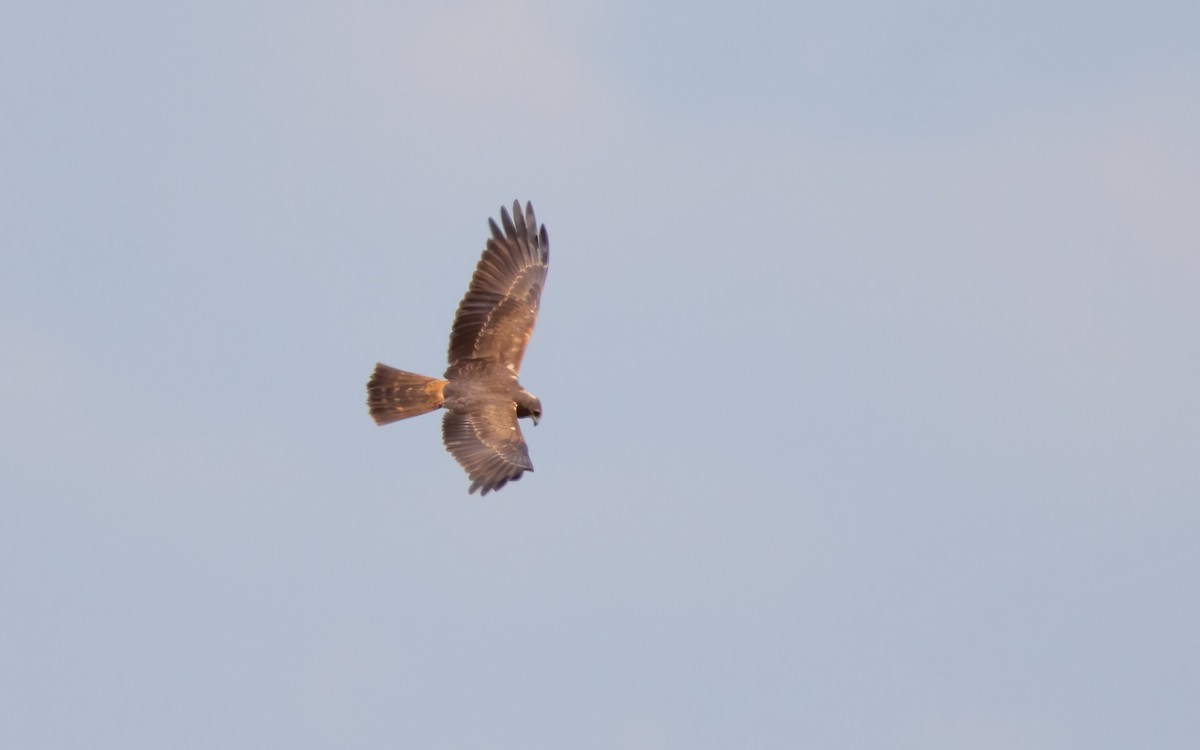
[[495, 319], [488, 444]]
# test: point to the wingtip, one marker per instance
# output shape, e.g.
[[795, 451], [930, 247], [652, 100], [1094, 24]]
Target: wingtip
[[531, 218], [521, 226], [483, 487], [507, 222]]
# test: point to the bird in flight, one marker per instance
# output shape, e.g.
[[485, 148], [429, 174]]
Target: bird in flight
[[480, 391]]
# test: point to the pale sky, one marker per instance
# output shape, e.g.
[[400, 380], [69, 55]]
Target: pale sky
[[868, 356]]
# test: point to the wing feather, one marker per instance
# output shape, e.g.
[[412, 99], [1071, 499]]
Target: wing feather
[[488, 444], [496, 317]]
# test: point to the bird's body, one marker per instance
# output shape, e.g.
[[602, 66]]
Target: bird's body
[[480, 392]]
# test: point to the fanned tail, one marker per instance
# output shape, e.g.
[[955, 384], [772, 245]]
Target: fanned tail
[[395, 394]]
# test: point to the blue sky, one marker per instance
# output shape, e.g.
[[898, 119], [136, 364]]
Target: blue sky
[[867, 356]]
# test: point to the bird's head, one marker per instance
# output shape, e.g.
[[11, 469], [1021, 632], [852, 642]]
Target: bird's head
[[528, 405]]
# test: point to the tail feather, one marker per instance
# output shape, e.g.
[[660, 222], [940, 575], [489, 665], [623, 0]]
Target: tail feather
[[395, 394]]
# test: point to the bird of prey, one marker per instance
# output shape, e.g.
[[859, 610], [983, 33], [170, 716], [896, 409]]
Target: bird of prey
[[480, 391]]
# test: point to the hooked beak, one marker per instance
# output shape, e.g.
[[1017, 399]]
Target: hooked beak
[[534, 417]]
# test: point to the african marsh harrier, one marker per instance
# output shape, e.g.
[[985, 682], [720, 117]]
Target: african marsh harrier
[[480, 393]]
